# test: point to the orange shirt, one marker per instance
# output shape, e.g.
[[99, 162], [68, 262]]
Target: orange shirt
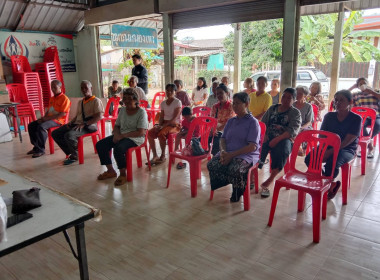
[[59, 104]]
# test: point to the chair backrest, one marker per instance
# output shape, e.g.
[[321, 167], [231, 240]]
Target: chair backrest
[[17, 93], [365, 113], [115, 101], [205, 125], [20, 64], [143, 104], [331, 108], [263, 129], [158, 97], [317, 141], [202, 111]]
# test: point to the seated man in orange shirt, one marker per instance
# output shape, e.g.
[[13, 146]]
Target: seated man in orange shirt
[[55, 115]]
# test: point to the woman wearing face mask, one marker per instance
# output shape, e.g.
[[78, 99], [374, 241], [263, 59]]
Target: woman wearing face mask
[[369, 98], [283, 122]]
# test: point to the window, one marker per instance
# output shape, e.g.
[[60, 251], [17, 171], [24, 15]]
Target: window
[[320, 75], [303, 76], [272, 76], [256, 76]]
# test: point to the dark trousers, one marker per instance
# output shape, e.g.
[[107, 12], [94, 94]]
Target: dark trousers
[[376, 128], [38, 134], [344, 156], [67, 138], [279, 154], [105, 145], [215, 143]]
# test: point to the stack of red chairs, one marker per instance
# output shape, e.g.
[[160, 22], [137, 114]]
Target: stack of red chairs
[[20, 64], [51, 56], [46, 72], [32, 84], [107, 117], [25, 110]]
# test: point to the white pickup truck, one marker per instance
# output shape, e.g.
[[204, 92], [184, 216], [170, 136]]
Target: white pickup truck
[[305, 76]]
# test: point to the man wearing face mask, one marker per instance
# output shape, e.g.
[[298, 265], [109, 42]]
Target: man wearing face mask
[[368, 98]]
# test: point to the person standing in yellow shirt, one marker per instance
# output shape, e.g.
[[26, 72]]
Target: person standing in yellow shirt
[[260, 100]]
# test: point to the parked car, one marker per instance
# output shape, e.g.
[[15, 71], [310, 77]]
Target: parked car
[[305, 76]]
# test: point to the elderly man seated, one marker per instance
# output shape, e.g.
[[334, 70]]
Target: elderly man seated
[[89, 112], [55, 115], [133, 81]]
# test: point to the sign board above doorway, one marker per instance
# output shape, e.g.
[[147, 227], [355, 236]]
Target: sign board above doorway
[[132, 37]]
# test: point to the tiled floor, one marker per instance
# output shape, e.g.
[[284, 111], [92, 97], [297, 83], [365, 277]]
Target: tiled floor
[[150, 232]]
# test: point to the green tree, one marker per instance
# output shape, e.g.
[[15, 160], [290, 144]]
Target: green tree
[[262, 42], [183, 62]]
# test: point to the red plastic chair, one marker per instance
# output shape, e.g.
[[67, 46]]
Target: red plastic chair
[[93, 135], [315, 112], [20, 64], [107, 117], [365, 140], [206, 126], [50, 130], [138, 157], [312, 181], [375, 140], [254, 169], [144, 104], [346, 179], [331, 108], [202, 111], [25, 110], [156, 108]]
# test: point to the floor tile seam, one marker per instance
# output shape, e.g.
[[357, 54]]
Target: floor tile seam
[[356, 265], [279, 271], [293, 276], [368, 240]]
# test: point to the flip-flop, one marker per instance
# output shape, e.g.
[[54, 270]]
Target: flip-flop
[[332, 194], [160, 160], [69, 161], [152, 162], [371, 154]]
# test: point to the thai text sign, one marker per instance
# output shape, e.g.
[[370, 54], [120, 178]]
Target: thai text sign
[[33, 45], [132, 37]]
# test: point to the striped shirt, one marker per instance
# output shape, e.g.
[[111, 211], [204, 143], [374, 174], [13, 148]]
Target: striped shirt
[[362, 99]]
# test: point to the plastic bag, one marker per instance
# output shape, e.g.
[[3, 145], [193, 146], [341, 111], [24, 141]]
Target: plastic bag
[[3, 220]]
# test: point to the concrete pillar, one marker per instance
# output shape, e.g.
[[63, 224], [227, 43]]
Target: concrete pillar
[[337, 50], [87, 58], [168, 47], [290, 44], [237, 57]]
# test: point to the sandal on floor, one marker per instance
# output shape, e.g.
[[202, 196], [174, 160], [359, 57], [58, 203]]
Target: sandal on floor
[[69, 161], [371, 154], [265, 192], [121, 180], [107, 175], [153, 161], [181, 165], [331, 194], [160, 160]]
